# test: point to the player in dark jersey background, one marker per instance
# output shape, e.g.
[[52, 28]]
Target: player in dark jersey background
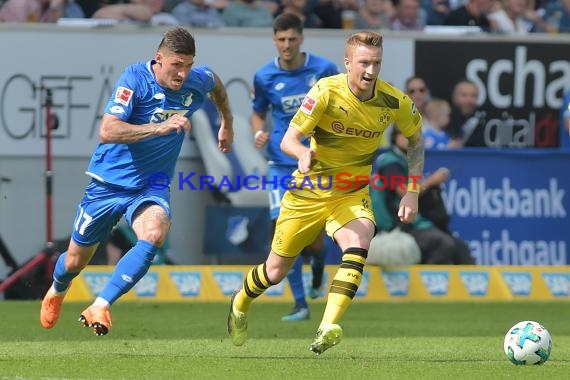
[[280, 87], [141, 134]]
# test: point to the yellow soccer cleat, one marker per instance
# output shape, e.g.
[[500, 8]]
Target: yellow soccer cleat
[[327, 336], [237, 324]]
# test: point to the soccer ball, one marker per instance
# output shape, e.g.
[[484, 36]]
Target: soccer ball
[[528, 342]]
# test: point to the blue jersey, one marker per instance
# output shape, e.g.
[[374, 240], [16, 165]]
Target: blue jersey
[[138, 99], [564, 116], [435, 139], [284, 91]]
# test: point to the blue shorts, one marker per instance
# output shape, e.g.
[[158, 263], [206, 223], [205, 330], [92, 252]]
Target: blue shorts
[[103, 205], [277, 192]]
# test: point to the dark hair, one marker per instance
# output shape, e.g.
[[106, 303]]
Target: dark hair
[[178, 40], [286, 21], [415, 77]]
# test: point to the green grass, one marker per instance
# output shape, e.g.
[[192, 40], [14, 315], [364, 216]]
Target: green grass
[[188, 341]]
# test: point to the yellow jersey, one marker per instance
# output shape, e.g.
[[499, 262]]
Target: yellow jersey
[[346, 133]]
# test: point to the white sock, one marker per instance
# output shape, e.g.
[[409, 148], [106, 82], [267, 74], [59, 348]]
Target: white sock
[[100, 302]]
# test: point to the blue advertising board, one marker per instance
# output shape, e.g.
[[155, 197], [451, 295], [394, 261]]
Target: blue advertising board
[[511, 206]]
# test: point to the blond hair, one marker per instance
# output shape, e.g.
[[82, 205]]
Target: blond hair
[[437, 106], [363, 39]]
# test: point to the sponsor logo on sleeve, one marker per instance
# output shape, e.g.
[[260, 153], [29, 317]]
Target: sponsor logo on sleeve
[[476, 283], [308, 105], [557, 283], [187, 283], [436, 282], [123, 95], [397, 282], [519, 283]]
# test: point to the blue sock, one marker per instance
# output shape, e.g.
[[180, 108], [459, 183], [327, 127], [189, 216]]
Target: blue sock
[[129, 270], [295, 277], [61, 277]]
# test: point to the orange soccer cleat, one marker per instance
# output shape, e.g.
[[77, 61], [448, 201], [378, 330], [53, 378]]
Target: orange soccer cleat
[[51, 309], [98, 318]]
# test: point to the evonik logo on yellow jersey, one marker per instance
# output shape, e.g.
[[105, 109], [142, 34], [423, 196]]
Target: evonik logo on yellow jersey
[[339, 128]]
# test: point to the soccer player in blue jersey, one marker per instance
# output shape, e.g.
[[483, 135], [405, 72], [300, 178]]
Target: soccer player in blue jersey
[[281, 86], [141, 133]]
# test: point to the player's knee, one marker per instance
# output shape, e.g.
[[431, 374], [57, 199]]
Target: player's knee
[[155, 233]]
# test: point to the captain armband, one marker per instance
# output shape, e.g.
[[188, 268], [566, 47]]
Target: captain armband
[[413, 187]]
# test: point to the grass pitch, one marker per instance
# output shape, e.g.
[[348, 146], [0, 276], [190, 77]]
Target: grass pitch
[[189, 341]]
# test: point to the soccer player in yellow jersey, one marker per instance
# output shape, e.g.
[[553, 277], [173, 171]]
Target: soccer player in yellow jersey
[[345, 115]]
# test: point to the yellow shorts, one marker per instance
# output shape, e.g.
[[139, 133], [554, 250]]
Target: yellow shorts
[[302, 219]]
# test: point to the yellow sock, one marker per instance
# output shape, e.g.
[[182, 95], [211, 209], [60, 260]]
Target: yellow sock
[[255, 284], [345, 284]]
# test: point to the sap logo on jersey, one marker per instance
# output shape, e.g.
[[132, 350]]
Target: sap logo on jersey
[[187, 283], [96, 281], [291, 103], [435, 282], [147, 286], [161, 115], [123, 95], [397, 282], [228, 281], [519, 283], [476, 283], [558, 283]]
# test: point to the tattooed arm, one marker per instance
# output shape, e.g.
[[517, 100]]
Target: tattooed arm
[[409, 203], [220, 98]]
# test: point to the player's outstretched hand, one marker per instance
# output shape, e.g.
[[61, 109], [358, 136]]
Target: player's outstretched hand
[[408, 207], [176, 123]]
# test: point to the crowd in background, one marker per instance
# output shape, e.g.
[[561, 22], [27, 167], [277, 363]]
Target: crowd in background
[[496, 16]]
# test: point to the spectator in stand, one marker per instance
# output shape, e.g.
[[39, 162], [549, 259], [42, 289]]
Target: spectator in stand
[[39, 10], [437, 244], [198, 13], [409, 16], [557, 16], [143, 11], [247, 13], [301, 9], [465, 116], [436, 119], [510, 18], [418, 91], [374, 14], [437, 11], [474, 13]]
